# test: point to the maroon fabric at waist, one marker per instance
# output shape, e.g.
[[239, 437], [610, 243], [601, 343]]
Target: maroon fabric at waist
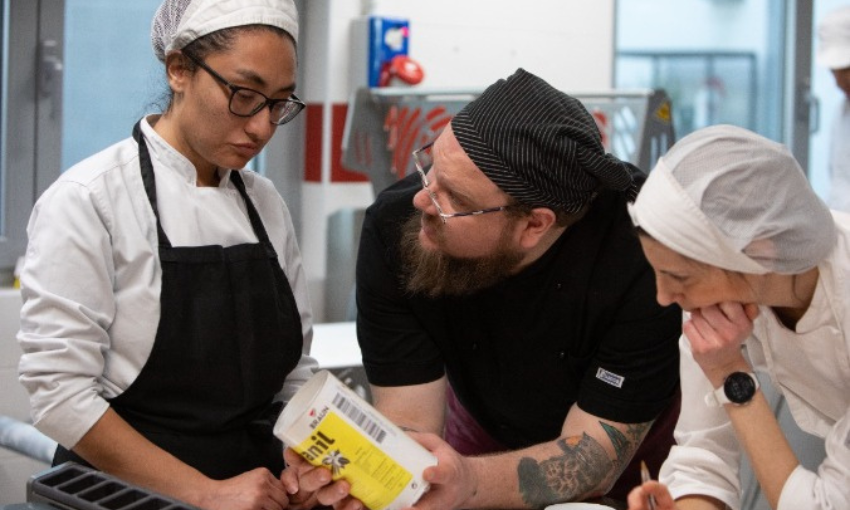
[[463, 431]]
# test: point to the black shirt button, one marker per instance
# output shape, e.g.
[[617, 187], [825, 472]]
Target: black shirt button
[[474, 346], [562, 355]]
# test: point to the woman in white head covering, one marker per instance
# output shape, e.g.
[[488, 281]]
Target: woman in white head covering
[[740, 241], [834, 53], [166, 318]]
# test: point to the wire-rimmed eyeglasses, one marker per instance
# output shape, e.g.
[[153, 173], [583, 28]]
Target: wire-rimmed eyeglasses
[[245, 102], [423, 161]]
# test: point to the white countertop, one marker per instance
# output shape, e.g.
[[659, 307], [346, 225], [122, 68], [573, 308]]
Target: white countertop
[[335, 345]]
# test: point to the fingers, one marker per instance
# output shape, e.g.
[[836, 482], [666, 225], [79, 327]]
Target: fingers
[[752, 311], [716, 335], [307, 484], [719, 325], [314, 479], [276, 491], [289, 479], [638, 498], [663, 498], [257, 489], [289, 476], [349, 503], [302, 501], [692, 332], [732, 311], [301, 475], [335, 493], [293, 460], [724, 316], [430, 501]]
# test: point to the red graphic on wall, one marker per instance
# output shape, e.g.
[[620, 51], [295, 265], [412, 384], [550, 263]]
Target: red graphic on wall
[[313, 145], [405, 129], [601, 119], [408, 129]]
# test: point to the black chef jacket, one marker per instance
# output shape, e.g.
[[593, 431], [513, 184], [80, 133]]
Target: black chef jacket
[[581, 324]]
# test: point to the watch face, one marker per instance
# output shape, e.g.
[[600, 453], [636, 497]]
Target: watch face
[[739, 388]]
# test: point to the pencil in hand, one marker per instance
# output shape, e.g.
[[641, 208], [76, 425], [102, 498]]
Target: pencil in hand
[[644, 477]]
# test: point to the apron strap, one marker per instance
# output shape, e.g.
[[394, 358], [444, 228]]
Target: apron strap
[[149, 181], [150, 189], [253, 215]]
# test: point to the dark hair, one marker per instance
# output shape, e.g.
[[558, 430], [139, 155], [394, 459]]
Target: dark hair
[[215, 42]]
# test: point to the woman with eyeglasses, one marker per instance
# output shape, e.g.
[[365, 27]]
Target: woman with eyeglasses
[[740, 241], [166, 318]]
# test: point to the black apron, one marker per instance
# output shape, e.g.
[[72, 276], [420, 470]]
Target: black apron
[[229, 333]]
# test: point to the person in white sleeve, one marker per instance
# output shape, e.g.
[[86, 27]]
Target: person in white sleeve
[[761, 267], [166, 317], [834, 53]]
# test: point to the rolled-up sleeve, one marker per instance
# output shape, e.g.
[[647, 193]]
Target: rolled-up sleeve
[[829, 487], [68, 308], [707, 457]]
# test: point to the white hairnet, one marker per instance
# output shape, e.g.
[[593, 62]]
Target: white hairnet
[[179, 22], [730, 198], [834, 39]]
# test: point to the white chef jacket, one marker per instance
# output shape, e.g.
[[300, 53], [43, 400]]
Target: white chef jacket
[[810, 367], [92, 277], [839, 160]]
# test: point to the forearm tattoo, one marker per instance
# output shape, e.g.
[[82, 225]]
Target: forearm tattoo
[[581, 465], [618, 439], [580, 470]]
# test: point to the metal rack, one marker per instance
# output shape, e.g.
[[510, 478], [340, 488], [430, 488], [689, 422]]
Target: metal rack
[[384, 125]]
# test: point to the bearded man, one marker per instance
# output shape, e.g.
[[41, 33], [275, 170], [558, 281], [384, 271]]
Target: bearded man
[[505, 308]]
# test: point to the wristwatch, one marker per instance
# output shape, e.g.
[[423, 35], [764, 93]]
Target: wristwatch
[[738, 389]]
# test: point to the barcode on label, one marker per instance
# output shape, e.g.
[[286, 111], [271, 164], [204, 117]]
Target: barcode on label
[[360, 418]]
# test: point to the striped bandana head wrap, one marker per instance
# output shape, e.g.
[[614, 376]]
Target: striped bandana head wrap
[[539, 145]]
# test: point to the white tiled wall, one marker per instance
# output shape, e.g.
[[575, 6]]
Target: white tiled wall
[[14, 469]]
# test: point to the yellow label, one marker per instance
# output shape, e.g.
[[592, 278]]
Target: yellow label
[[375, 478], [663, 112]]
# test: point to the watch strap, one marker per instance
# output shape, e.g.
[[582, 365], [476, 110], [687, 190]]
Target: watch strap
[[717, 397]]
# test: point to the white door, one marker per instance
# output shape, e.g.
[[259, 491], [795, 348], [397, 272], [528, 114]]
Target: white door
[[31, 109]]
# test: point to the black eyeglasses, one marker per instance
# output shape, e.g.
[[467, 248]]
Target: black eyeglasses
[[245, 102]]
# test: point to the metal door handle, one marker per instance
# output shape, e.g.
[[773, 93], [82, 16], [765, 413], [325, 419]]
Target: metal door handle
[[814, 114], [51, 68]]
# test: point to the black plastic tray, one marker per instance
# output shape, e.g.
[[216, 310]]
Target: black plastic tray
[[71, 486]]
